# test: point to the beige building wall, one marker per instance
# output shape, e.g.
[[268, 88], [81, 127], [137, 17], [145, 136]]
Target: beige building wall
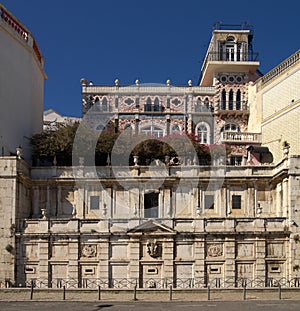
[[275, 106], [21, 85]]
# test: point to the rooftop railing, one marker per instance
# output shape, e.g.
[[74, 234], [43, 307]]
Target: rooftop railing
[[21, 31], [285, 65]]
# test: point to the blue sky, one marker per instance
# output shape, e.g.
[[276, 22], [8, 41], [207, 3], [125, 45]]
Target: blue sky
[[150, 40]]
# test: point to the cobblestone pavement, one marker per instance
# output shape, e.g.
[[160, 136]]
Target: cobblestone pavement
[[153, 306]]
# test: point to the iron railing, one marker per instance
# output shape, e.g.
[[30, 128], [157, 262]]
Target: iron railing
[[157, 283]]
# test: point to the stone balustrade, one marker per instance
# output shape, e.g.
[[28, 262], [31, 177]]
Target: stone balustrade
[[241, 137]]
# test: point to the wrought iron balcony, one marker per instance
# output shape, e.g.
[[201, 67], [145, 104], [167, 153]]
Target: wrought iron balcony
[[233, 56]]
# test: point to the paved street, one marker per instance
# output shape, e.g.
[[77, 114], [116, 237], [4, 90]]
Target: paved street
[[161, 306]]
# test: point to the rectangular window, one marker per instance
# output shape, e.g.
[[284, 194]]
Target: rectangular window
[[94, 202], [151, 205], [209, 201], [236, 202]]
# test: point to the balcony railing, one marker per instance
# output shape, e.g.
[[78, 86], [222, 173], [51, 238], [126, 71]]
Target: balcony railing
[[285, 65], [21, 31], [232, 105], [241, 137], [233, 57]]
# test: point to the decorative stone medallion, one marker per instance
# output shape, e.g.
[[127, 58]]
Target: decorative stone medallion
[[215, 250], [89, 251]]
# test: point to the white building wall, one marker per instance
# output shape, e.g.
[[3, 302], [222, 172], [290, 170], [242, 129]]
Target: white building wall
[[21, 90]]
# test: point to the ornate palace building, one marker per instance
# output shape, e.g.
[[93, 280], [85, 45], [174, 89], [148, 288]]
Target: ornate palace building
[[185, 225]]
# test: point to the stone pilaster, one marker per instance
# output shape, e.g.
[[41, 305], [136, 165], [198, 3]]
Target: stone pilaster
[[199, 256], [260, 254], [58, 199], [48, 203], [73, 259], [43, 259], [104, 259], [168, 256], [229, 258], [36, 209], [134, 257]]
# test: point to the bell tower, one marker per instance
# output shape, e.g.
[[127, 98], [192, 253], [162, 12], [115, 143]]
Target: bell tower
[[230, 51], [231, 66]]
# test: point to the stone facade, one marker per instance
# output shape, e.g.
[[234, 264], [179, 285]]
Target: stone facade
[[59, 238], [184, 225]]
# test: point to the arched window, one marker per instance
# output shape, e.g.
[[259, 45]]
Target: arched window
[[175, 128], [203, 133], [148, 104], [230, 100], [156, 104], [223, 100], [198, 105], [230, 127], [230, 49], [153, 130], [104, 104], [97, 104], [238, 100]]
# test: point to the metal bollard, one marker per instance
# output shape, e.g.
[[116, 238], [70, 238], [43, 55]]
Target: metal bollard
[[171, 293], [134, 293], [208, 292], [279, 291], [244, 292], [64, 292], [99, 293], [31, 290]]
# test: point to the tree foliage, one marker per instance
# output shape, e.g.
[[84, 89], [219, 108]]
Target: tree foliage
[[57, 144]]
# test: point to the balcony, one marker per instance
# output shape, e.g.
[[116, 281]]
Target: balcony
[[228, 61], [239, 137], [232, 107], [232, 57]]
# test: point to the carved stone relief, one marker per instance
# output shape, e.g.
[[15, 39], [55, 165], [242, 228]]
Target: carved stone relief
[[215, 250], [153, 248], [89, 251]]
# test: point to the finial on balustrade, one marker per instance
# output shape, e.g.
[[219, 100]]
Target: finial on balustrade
[[83, 81]]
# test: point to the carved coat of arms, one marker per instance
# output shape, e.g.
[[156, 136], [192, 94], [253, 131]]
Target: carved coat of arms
[[153, 248], [215, 250], [89, 251]]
